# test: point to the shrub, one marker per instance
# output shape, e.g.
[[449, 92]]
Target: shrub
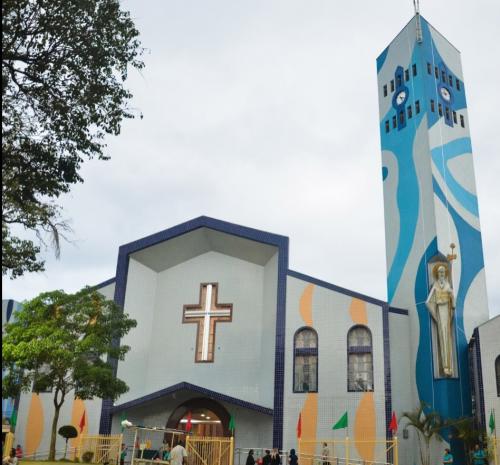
[[87, 456]]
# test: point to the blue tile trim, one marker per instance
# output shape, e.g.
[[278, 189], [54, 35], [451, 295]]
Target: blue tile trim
[[279, 359], [387, 373], [399, 311], [104, 283], [359, 350], [281, 242], [10, 307], [480, 404], [302, 351], [204, 222], [333, 287], [191, 387]]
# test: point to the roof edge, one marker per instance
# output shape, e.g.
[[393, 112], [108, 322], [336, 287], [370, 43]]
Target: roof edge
[[191, 387], [334, 287], [205, 222]]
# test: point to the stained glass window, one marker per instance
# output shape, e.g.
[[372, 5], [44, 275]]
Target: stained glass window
[[359, 360], [305, 361]]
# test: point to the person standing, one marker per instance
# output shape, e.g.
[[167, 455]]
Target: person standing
[[178, 454], [479, 456], [19, 452], [166, 452], [293, 459], [275, 457], [325, 454], [266, 460], [250, 459], [123, 454], [447, 457]]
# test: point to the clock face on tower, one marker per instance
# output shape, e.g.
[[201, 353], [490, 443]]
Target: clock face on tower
[[445, 93], [401, 97]]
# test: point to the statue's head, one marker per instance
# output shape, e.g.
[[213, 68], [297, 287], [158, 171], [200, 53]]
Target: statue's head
[[441, 272]]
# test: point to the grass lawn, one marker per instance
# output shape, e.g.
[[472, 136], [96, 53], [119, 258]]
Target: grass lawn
[[50, 462]]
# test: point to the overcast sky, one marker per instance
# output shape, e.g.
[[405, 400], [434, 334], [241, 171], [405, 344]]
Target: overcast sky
[[264, 113]]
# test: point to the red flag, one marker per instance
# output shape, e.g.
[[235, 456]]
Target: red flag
[[82, 422], [299, 426], [189, 424], [393, 426]]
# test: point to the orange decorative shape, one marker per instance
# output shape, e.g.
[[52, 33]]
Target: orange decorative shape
[[365, 427], [357, 310], [305, 305], [34, 425], [309, 415], [77, 411]]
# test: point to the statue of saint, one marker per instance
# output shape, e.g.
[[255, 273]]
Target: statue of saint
[[441, 305]]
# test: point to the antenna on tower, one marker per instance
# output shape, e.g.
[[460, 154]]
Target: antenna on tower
[[416, 5]]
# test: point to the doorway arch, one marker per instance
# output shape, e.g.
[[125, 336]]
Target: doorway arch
[[197, 406]]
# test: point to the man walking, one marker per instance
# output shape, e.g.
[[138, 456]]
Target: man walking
[[178, 455]]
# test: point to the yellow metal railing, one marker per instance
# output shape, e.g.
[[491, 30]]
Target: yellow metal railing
[[104, 448], [311, 452], [210, 450], [8, 444], [495, 450]]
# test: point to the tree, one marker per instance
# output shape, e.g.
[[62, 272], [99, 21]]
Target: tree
[[62, 343], [64, 65], [428, 425], [67, 432], [465, 430]]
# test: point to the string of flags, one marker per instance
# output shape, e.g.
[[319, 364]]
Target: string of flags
[[343, 422]]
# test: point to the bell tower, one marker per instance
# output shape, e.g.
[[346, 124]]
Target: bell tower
[[432, 229]]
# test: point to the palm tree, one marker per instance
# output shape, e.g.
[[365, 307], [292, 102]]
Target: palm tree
[[428, 424], [465, 430]]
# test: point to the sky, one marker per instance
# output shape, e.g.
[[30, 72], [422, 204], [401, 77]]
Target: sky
[[264, 113]]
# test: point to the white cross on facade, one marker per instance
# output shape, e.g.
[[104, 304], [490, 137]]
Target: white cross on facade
[[206, 314]]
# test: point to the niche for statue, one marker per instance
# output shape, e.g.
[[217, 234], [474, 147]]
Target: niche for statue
[[441, 305]]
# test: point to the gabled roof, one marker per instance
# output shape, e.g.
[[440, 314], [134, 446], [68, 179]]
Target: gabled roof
[[205, 222], [191, 387]]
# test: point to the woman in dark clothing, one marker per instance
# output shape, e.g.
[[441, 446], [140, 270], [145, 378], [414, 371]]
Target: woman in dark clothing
[[250, 459], [275, 457], [293, 459], [267, 458]]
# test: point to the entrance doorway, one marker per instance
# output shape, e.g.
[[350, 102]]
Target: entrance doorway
[[204, 422], [208, 418]]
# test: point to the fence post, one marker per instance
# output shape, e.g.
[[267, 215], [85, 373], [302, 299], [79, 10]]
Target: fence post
[[231, 449], [347, 451], [395, 454], [119, 449], [495, 451]]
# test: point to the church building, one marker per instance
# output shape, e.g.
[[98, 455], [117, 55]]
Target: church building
[[226, 331]]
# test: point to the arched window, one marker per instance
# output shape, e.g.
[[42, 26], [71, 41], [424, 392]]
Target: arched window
[[305, 361], [497, 372], [359, 360]]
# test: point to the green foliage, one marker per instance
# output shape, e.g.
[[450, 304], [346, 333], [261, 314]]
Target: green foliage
[[64, 65], [428, 425], [18, 256], [63, 342], [87, 456], [68, 432], [465, 430]]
